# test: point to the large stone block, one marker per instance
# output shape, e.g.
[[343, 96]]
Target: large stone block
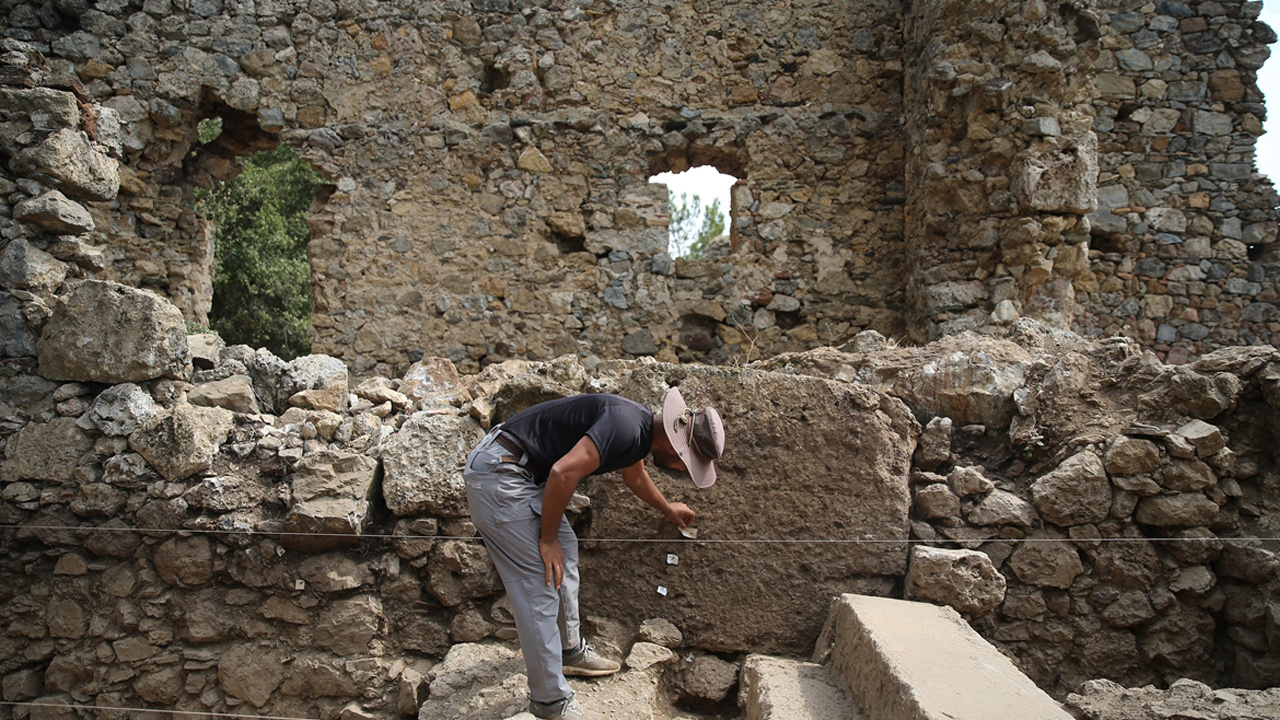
[[805, 459], [70, 163], [963, 579], [25, 267], [106, 332], [1059, 175], [183, 441], [423, 465], [45, 451], [331, 493], [1075, 493]]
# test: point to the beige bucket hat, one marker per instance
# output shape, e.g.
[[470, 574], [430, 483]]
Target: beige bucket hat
[[696, 435]]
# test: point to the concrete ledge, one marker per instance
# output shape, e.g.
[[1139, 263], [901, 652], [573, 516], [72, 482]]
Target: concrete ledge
[[915, 661], [781, 689]]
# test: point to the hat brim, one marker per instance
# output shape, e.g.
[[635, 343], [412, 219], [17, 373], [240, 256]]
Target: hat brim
[[701, 470]]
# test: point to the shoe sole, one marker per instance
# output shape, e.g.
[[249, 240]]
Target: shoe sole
[[587, 672]]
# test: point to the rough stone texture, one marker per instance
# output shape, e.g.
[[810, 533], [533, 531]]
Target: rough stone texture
[[234, 393], [331, 494], [182, 441], [121, 409], [1075, 493], [1090, 167], [45, 451], [963, 579], [423, 465], [897, 659], [775, 688], [106, 332]]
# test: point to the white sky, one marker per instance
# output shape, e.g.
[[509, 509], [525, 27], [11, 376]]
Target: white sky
[[703, 181], [1268, 147]]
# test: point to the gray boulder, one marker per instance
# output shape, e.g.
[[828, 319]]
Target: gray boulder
[[16, 337], [45, 451], [109, 333], [66, 160], [121, 409], [316, 382], [53, 212], [1077, 492], [423, 465], [331, 493], [963, 579], [26, 267], [183, 441]]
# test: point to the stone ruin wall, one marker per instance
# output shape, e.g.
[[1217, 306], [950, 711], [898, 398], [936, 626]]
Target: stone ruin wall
[[586, 238], [1091, 163]]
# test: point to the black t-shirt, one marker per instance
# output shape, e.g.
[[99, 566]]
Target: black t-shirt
[[622, 430]]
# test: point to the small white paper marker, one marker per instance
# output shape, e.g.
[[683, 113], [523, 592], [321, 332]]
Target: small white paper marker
[[662, 590], [673, 559]]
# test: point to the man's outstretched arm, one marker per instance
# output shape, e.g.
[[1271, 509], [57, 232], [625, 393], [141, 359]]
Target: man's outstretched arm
[[639, 482]]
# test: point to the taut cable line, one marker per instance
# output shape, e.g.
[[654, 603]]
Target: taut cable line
[[110, 708], [695, 541]]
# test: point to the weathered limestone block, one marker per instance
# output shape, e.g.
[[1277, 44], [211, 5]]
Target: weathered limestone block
[[206, 350], [250, 672], [935, 444], [1246, 560], [966, 481], [1059, 175], [183, 441], [316, 382], [331, 494], [936, 501], [45, 451], [467, 668], [1205, 438], [16, 336], [164, 685], [44, 108], [53, 212], [1186, 510], [185, 561], [707, 678], [462, 570], [70, 163], [423, 465], [234, 393], [1186, 475], [346, 626], [1003, 508], [1181, 637], [1046, 564], [662, 632], [106, 332], [121, 409], [98, 500], [841, 449], [645, 655], [333, 572], [1129, 456], [434, 381], [963, 579], [1077, 492], [26, 267]]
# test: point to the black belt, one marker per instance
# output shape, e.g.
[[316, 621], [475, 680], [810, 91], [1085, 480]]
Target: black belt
[[518, 454]]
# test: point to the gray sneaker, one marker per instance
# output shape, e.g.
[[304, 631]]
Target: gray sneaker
[[566, 709], [585, 662]]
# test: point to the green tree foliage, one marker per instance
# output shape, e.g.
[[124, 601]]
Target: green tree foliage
[[262, 274], [693, 227]]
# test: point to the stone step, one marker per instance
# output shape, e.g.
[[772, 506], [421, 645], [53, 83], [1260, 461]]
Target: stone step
[[907, 660], [775, 688]]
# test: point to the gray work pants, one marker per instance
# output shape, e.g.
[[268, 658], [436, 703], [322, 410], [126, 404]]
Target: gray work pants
[[506, 507]]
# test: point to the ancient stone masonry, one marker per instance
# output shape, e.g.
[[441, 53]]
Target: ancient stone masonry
[[952, 166], [189, 525]]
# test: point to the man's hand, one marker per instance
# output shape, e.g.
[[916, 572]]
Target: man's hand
[[680, 515], [553, 560]]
